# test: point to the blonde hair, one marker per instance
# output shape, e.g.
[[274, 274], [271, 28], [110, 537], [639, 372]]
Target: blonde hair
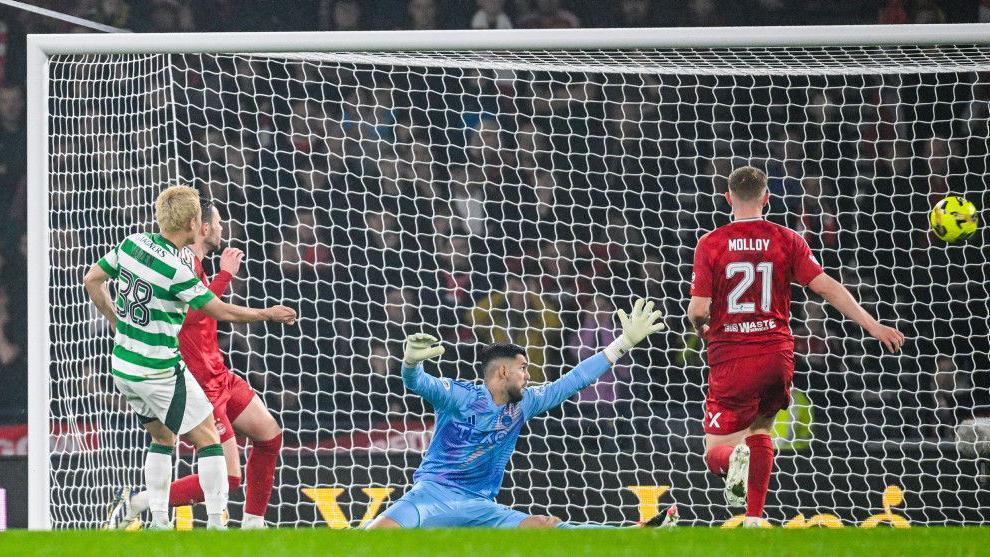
[[747, 183], [176, 207]]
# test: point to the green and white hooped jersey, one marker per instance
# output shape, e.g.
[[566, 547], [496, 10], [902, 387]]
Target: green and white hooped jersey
[[155, 288]]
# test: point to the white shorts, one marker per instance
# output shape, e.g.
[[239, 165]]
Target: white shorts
[[178, 401]]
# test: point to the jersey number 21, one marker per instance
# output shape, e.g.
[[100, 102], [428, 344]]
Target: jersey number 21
[[749, 271]]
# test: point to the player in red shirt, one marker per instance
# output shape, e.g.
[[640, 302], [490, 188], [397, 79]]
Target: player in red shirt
[[236, 408], [740, 305]]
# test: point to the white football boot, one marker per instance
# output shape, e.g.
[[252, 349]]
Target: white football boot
[[118, 517], [737, 476]]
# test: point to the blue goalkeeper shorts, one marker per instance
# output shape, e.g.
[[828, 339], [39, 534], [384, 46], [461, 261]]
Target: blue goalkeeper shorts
[[431, 505]]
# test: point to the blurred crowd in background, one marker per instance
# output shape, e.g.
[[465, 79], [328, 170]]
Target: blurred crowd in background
[[526, 207]]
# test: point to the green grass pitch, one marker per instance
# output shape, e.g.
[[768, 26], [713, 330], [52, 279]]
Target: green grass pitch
[[707, 542]]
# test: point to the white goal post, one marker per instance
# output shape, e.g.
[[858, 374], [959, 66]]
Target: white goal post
[[603, 129]]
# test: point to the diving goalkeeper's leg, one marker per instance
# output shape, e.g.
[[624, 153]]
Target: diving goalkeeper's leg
[[429, 505]]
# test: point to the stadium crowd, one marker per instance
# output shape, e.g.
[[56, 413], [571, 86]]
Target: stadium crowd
[[525, 208]]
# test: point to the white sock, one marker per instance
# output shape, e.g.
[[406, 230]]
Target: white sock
[[213, 479], [250, 521], [139, 504], [158, 478]]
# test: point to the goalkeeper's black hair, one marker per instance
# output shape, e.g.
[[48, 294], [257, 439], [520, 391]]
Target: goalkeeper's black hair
[[497, 352]]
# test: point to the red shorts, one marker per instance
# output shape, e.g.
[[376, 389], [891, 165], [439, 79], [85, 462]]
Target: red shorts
[[741, 389], [229, 400]]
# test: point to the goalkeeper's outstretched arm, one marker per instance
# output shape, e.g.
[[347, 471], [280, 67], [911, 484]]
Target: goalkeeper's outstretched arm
[[443, 394], [642, 322]]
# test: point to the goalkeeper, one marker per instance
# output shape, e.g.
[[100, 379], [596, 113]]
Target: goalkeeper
[[477, 426]]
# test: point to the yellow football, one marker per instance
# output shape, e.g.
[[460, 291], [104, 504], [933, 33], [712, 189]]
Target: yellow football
[[954, 219]]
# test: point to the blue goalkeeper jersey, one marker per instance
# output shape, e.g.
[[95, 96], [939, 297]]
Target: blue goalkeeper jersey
[[474, 438]]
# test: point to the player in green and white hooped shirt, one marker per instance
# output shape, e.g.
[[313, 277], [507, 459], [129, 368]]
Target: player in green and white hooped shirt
[[155, 287]]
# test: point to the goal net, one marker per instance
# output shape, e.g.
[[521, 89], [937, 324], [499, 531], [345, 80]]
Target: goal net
[[495, 195]]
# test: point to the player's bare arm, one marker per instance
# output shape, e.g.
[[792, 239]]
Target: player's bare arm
[[699, 313], [222, 311], [841, 299], [95, 282]]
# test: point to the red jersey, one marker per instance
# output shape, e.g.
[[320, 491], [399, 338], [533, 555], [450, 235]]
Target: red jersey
[[198, 341], [747, 268]]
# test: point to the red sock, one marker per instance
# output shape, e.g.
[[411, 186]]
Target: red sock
[[717, 459], [760, 465], [260, 475], [187, 491]]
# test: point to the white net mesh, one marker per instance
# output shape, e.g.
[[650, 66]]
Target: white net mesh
[[494, 196]]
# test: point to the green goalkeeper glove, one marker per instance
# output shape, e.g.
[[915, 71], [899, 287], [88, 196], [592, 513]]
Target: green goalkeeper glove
[[421, 347], [635, 327]]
